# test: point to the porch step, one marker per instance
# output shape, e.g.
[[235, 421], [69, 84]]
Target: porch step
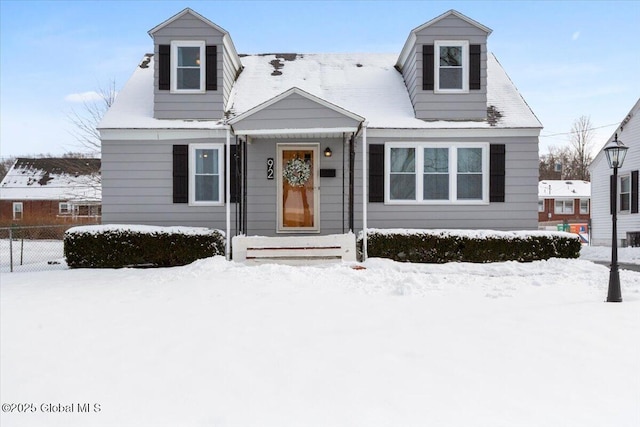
[[294, 250]]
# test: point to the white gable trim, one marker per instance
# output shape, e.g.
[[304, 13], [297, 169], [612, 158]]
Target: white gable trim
[[180, 15], [302, 93]]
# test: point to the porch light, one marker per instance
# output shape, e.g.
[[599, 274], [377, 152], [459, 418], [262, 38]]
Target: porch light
[[328, 152], [616, 152]]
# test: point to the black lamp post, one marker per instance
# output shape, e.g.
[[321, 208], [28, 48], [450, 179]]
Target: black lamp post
[[616, 152]]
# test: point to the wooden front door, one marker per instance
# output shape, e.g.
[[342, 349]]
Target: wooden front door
[[298, 190]]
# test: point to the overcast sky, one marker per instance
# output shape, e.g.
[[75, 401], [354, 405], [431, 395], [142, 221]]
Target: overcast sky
[[567, 58]]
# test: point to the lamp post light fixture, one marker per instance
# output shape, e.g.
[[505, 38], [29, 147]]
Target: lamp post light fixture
[[616, 152]]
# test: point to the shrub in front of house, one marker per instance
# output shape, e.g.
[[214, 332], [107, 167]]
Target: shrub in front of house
[[117, 246], [441, 246]]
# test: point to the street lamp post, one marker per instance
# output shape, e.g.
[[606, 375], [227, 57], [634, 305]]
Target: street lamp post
[[616, 152]]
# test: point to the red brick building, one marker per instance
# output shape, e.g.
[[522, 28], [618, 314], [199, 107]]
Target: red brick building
[[563, 202], [51, 191]]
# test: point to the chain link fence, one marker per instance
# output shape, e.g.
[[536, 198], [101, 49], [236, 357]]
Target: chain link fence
[[32, 248]]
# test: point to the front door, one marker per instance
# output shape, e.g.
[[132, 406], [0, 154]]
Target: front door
[[298, 190]]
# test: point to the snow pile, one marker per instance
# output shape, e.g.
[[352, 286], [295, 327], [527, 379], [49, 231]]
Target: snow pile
[[146, 229], [217, 343], [472, 234]]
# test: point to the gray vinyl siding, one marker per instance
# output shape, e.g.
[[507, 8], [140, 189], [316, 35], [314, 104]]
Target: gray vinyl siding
[[262, 192], [518, 212], [229, 73], [295, 112], [208, 105], [429, 105], [601, 220], [137, 187]]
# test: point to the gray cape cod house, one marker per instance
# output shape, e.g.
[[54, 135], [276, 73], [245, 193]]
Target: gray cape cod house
[[433, 137]]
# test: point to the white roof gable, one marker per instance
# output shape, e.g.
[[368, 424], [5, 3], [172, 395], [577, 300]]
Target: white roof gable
[[632, 116], [564, 189]]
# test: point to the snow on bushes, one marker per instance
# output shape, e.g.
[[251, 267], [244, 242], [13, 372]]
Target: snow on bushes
[[441, 246], [116, 246]]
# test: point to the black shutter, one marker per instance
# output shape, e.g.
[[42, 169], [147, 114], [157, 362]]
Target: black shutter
[[474, 67], [634, 192], [164, 67], [376, 173], [212, 67], [180, 174], [235, 172], [427, 67], [496, 172], [612, 196]]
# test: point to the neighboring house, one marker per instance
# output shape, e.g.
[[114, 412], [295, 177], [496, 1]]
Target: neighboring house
[[563, 202], [51, 190], [628, 215], [436, 136]]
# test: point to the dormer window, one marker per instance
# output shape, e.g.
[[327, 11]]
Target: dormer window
[[189, 64], [452, 66]]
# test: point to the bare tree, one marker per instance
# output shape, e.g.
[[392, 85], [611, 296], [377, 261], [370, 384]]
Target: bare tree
[[570, 161], [581, 143], [557, 164], [85, 121]]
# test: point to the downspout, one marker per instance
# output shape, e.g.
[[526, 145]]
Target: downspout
[[352, 158], [365, 192], [344, 141], [227, 174]]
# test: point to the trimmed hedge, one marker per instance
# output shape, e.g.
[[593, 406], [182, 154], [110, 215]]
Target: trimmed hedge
[[441, 246], [139, 246]]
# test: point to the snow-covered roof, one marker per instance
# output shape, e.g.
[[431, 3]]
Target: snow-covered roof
[[564, 189], [366, 84], [69, 179]]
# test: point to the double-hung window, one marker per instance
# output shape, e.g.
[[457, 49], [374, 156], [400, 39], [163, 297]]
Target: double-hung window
[[584, 206], [451, 66], [17, 211], [188, 62], [563, 207], [436, 173], [625, 193], [205, 176]]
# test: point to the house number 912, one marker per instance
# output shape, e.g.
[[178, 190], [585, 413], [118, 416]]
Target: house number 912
[[270, 170]]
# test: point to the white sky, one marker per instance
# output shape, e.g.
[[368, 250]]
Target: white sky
[[566, 58]]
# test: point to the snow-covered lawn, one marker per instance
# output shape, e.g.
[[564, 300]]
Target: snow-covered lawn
[[217, 343]]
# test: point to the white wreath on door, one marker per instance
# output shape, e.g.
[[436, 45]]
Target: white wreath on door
[[297, 172]]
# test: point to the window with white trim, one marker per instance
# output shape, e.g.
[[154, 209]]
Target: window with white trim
[[436, 173], [188, 63], [563, 207], [541, 205], [205, 174], [17, 211], [625, 193], [584, 206], [64, 208], [451, 66]]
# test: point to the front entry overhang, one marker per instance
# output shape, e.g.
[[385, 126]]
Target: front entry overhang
[[295, 114]]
